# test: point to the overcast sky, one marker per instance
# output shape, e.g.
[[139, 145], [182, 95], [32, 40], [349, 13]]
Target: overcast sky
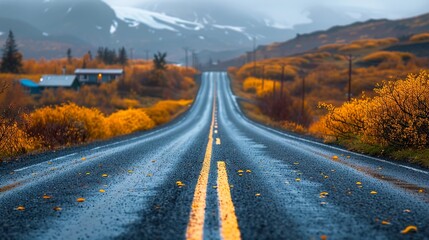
[[290, 12]]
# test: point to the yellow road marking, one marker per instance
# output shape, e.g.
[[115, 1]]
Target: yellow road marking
[[228, 219], [195, 230], [217, 141]]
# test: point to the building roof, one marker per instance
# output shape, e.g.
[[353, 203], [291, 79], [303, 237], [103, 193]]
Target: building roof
[[28, 83], [57, 80], [99, 71]]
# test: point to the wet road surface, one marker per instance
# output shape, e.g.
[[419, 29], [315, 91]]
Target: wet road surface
[[212, 174]]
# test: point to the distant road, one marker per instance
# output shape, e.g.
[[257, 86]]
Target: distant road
[[212, 174]]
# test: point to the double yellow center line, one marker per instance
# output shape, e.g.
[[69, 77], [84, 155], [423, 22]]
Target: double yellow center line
[[228, 220]]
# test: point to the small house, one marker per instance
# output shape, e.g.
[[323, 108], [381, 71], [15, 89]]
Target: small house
[[29, 86], [98, 76], [59, 81]]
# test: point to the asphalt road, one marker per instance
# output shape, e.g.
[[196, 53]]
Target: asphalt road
[[212, 174]]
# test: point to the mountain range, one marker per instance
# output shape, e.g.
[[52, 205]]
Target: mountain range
[[47, 28]]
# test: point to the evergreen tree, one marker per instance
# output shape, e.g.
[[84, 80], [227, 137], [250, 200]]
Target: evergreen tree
[[122, 58], [12, 58], [69, 55], [159, 61], [90, 55]]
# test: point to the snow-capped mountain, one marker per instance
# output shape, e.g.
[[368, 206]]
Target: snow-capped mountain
[[55, 25]]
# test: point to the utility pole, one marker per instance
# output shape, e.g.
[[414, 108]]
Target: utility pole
[[263, 77], [303, 99], [350, 77], [186, 56], [254, 56], [147, 54], [131, 54], [282, 80]]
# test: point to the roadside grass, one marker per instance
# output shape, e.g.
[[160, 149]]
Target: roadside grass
[[417, 156]]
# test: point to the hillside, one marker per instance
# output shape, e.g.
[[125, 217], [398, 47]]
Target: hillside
[[372, 29]]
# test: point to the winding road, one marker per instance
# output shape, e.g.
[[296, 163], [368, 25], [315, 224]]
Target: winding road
[[212, 174]]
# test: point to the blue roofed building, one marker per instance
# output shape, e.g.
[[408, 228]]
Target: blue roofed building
[[59, 81], [98, 76], [29, 86]]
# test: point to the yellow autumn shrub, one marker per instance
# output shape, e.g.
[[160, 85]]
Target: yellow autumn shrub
[[163, 111], [65, 124], [128, 121], [420, 37], [255, 85], [13, 140], [397, 116]]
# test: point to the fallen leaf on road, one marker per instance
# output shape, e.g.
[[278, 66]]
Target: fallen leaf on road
[[130, 171], [421, 191], [407, 210], [88, 173], [334, 157], [46, 197], [258, 194], [20, 208], [240, 171], [104, 175], [358, 183], [323, 237], [373, 192], [149, 175], [180, 184], [80, 200], [102, 190], [214, 187], [84, 158], [323, 194], [49, 162], [248, 171], [385, 222], [409, 229], [296, 163], [298, 179], [57, 209]]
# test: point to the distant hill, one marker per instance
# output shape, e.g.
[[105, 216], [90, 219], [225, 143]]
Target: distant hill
[[372, 29]]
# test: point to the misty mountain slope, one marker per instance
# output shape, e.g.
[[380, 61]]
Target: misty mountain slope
[[361, 30], [372, 29]]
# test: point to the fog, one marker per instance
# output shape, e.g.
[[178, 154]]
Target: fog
[[295, 12]]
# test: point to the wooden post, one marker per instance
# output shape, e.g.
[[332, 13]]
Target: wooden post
[[303, 99], [350, 77], [282, 80], [263, 77]]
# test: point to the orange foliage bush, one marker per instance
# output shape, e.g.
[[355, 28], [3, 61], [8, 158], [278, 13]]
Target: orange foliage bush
[[69, 124], [254, 85], [163, 111], [392, 59], [64, 125], [420, 37], [129, 121], [397, 116]]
